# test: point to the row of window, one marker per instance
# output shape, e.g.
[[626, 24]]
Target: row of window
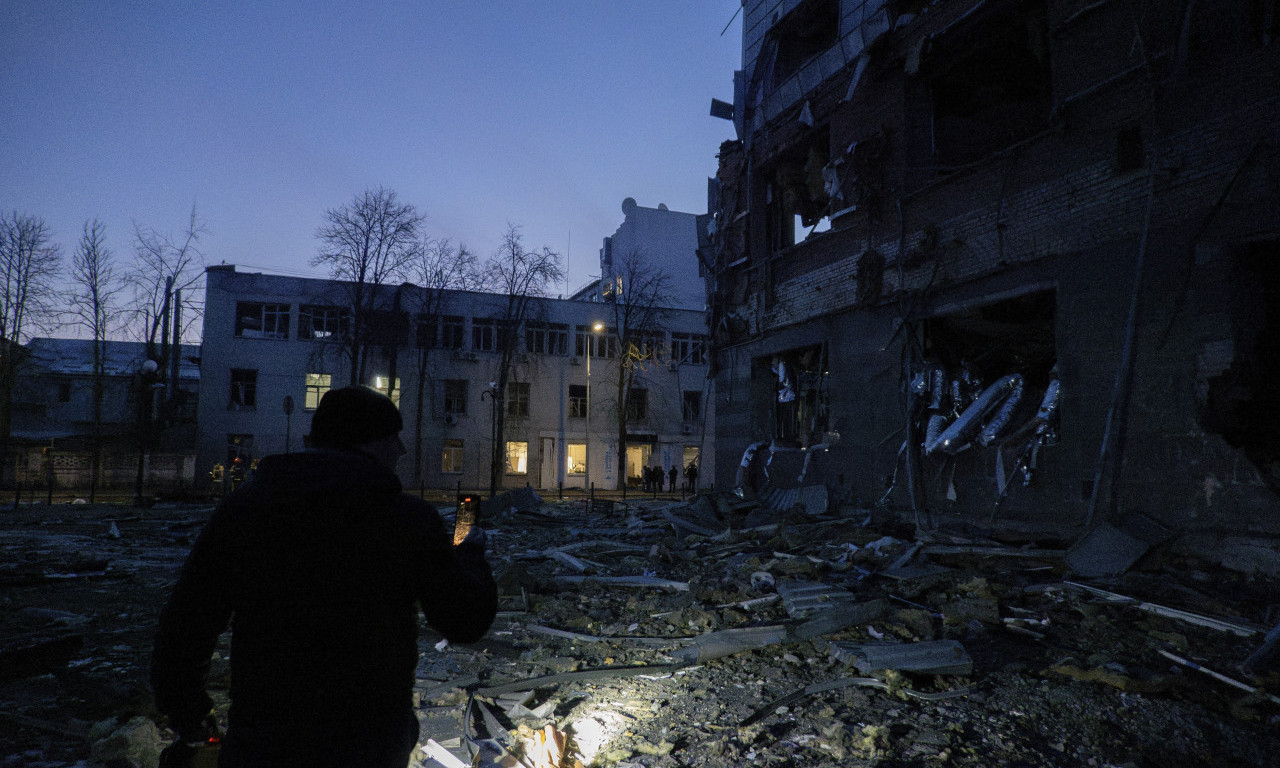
[[453, 396], [255, 320]]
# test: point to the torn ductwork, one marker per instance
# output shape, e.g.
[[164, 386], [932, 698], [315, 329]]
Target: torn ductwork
[[970, 422], [786, 388]]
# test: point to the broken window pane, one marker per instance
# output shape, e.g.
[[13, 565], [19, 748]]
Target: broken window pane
[[262, 321]]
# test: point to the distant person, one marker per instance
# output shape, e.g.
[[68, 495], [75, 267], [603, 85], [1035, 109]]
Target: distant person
[[691, 475], [320, 565], [672, 474]]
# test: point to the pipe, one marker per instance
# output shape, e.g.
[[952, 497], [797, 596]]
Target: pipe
[[963, 428]]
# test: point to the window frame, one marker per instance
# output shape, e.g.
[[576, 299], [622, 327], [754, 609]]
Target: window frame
[[260, 311], [248, 390]]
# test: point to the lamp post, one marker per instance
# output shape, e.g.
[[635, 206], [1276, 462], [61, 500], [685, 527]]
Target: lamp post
[[492, 392], [596, 327]]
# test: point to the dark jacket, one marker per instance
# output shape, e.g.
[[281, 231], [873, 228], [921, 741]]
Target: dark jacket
[[319, 563]]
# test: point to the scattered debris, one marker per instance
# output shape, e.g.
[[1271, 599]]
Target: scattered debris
[[716, 632]]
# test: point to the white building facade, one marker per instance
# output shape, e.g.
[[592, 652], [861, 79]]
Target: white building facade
[[663, 240], [271, 339]]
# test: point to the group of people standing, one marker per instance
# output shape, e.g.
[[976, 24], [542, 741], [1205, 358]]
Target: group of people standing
[[654, 477]]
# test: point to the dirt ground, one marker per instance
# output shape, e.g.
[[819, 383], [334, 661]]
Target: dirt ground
[[612, 627]]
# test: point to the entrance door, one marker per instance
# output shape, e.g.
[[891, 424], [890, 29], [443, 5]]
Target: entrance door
[[637, 460], [550, 477]]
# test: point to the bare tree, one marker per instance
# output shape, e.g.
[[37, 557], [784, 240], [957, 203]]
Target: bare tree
[[521, 276], [94, 307], [164, 280], [440, 267], [638, 294], [367, 243], [29, 262]]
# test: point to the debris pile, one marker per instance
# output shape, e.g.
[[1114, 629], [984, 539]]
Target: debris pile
[[786, 630]]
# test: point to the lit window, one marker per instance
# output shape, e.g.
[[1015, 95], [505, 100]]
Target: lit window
[[577, 459], [517, 457], [388, 388], [317, 384], [451, 457]]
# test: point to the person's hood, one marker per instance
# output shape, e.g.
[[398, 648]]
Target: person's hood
[[320, 473]]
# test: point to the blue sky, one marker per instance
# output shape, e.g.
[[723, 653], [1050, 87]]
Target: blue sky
[[263, 114]]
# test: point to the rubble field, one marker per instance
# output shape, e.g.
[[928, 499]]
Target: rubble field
[[722, 632]]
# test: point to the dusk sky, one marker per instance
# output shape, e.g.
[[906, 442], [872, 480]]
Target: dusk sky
[[264, 114]]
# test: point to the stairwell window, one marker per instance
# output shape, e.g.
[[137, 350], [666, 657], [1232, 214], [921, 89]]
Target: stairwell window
[[316, 385]]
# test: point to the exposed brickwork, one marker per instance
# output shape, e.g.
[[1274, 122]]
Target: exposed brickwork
[[1055, 210]]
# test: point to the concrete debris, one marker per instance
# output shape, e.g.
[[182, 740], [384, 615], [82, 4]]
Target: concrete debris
[[936, 657], [681, 634]]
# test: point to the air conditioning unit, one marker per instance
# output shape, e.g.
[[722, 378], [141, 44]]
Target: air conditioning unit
[[686, 429], [464, 355], [451, 419], [574, 361]]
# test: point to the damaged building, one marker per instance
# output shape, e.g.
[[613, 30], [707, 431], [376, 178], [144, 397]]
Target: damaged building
[[1006, 264]]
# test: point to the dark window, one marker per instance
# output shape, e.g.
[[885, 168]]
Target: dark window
[[244, 389], [262, 321], [577, 401], [692, 406], [484, 335], [547, 338], [990, 86], [805, 33], [451, 457], [518, 398], [455, 396], [322, 322], [605, 343], [64, 391], [689, 348], [451, 332], [637, 404]]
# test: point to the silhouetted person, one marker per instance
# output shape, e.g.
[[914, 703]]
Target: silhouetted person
[[320, 564], [691, 474], [672, 474]]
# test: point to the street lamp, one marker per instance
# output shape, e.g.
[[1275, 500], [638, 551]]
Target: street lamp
[[596, 327], [492, 392]]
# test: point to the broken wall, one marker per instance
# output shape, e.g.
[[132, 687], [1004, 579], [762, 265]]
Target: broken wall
[[1170, 182]]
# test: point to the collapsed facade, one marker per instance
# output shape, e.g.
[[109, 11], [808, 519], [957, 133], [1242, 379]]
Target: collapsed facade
[[1010, 263], [270, 340]]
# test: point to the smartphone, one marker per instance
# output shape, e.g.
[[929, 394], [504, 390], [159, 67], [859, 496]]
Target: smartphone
[[468, 507]]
